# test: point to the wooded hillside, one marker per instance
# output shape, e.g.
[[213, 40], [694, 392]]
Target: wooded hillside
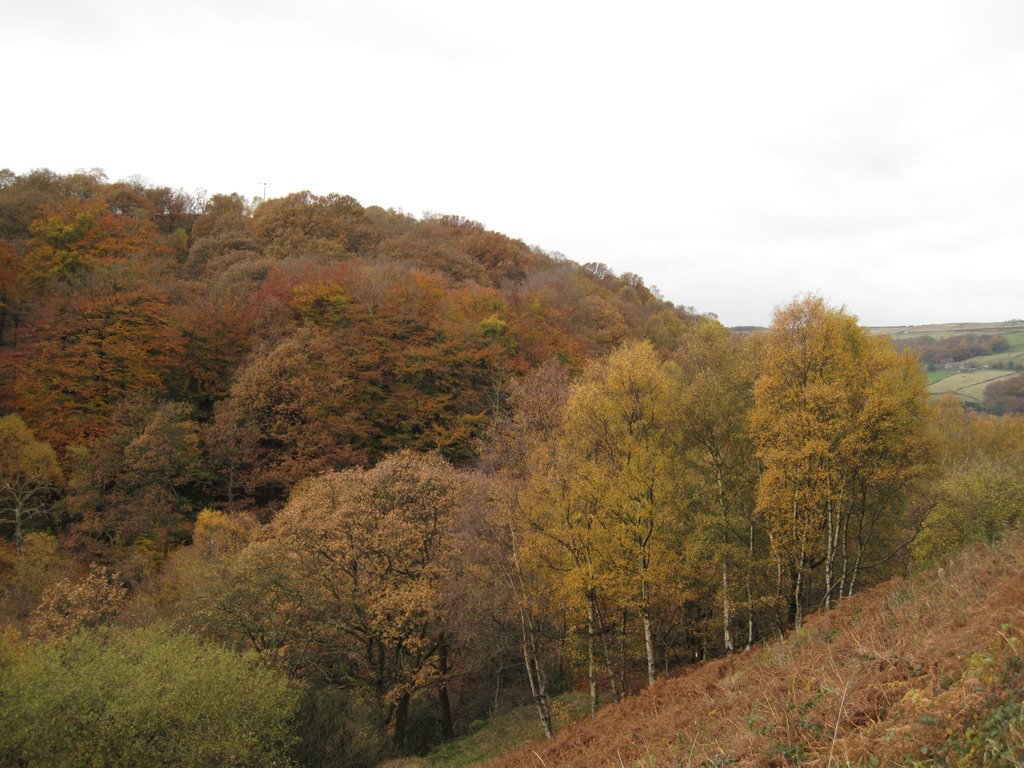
[[423, 471]]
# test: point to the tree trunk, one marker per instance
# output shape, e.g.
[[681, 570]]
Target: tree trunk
[[443, 701], [726, 608], [856, 570], [648, 639], [591, 661], [613, 682], [860, 552], [538, 686], [726, 613], [622, 653], [830, 554], [534, 672], [18, 532], [781, 623], [750, 595], [795, 601], [401, 720]]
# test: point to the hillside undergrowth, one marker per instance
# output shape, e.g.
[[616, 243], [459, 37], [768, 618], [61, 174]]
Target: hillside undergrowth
[[925, 671]]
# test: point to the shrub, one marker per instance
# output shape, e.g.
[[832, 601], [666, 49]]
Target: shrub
[[143, 697]]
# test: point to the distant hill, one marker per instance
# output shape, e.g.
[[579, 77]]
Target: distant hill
[[747, 328], [939, 330]]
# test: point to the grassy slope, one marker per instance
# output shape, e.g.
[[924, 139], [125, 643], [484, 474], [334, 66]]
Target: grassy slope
[[499, 735], [925, 672]]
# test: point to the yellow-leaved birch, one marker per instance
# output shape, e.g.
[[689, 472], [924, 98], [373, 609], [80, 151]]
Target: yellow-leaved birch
[[839, 423]]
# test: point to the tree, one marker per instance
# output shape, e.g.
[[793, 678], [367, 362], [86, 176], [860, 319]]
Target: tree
[[601, 501], [224, 215], [839, 423], [1005, 395], [413, 500], [22, 197], [618, 421], [978, 490], [302, 411], [174, 209], [303, 224], [36, 566], [180, 592], [75, 235], [502, 526], [141, 482], [221, 236], [216, 325], [29, 477], [348, 585], [231, 441], [11, 290], [381, 359], [714, 376]]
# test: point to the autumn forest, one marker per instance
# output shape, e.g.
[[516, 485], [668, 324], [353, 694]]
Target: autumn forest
[[300, 482]]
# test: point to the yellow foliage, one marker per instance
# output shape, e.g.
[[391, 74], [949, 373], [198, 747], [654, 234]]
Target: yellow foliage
[[839, 420], [216, 533]]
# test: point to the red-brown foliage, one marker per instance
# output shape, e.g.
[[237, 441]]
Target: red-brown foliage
[[91, 350]]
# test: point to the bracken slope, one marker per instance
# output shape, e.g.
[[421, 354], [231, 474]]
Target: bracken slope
[[920, 671]]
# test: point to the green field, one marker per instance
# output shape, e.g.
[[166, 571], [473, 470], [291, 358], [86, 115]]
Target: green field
[[936, 376], [968, 385]]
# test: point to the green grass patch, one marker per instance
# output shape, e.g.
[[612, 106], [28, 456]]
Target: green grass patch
[[936, 376], [490, 739]]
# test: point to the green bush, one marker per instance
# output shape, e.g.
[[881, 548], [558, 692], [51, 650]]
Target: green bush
[[144, 697]]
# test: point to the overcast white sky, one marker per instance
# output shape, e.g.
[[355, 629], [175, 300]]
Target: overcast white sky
[[732, 153]]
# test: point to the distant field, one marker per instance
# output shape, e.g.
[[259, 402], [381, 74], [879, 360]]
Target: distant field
[[1015, 353], [943, 330], [936, 376], [969, 385]]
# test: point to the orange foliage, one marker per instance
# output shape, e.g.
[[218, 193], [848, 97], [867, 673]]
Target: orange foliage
[[74, 235], [386, 358], [94, 349], [74, 604]]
